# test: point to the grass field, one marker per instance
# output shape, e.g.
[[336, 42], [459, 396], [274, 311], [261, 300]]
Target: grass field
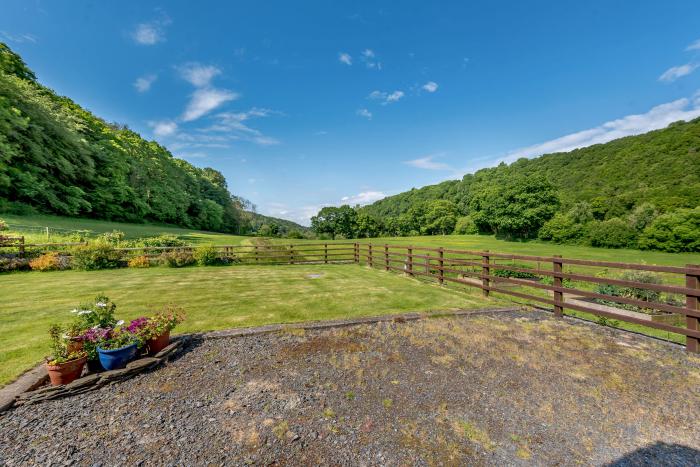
[[213, 297]]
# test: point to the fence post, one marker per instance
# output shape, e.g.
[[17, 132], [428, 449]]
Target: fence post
[[427, 263], [557, 282], [441, 264], [291, 254], [386, 257], [357, 253], [256, 253], [692, 281], [485, 271], [370, 255], [325, 253], [21, 247], [410, 260]]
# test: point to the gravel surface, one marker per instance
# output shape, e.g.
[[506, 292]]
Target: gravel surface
[[507, 389]]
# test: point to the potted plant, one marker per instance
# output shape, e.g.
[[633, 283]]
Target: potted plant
[[155, 330], [117, 348], [94, 320], [64, 366]]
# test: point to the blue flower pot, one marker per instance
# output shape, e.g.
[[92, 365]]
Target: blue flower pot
[[117, 358]]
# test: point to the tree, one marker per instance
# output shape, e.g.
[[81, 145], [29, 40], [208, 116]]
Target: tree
[[440, 217], [612, 233], [515, 207], [367, 226], [673, 232], [335, 221], [465, 226]]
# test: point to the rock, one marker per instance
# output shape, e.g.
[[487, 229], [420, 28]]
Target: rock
[[172, 347], [143, 363]]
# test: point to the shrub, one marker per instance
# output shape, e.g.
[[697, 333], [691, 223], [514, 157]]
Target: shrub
[[642, 216], [466, 226], [515, 274], [3, 225], [160, 240], [177, 258], [207, 256], [140, 261], [49, 262], [295, 234], [97, 255], [115, 237], [674, 232], [639, 293], [13, 264], [612, 233], [561, 229]]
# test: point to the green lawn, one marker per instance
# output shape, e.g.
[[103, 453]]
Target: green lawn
[[31, 226], [213, 297]]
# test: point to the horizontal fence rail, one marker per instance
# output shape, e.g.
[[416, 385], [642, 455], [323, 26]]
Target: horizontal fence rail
[[557, 287]]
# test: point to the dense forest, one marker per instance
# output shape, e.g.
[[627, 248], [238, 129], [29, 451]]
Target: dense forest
[[638, 192], [58, 158]]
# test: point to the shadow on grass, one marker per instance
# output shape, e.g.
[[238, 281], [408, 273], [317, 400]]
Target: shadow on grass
[[659, 454]]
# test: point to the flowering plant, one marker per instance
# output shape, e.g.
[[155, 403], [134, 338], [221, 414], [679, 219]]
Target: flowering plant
[[118, 338], [100, 313], [158, 324], [59, 347]]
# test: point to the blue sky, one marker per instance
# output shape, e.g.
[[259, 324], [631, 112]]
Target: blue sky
[[312, 103]]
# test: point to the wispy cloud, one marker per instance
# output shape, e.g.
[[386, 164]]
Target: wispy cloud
[[676, 72], [369, 58], [345, 58], [17, 38], [198, 75], [365, 197], [143, 83], [204, 100], [386, 97], [364, 113], [658, 117], [232, 124], [693, 46], [430, 86], [428, 163], [163, 128], [152, 32]]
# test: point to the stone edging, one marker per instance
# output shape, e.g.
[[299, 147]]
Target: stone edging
[[24, 391], [89, 382]]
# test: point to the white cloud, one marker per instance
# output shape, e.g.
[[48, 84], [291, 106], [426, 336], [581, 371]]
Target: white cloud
[[694, 46], [144, 83], [385, 97], [368, 58], [152, 32], [364, 113], [430, 86], [205, 100], [676, 72], [365, 197], [658, 117], [368, 53], [163, 128], [198, 75], [428, 163], [345, 58], [17, 38]]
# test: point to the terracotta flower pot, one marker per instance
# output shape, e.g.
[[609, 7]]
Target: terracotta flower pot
[[159, 343], [75, 345], [67, 372]]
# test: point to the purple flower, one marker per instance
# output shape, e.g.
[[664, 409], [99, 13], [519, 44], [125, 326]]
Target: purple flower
[[137, 324], [95, 334]]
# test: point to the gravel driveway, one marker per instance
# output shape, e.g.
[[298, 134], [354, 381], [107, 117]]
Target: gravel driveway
[[506, 389]]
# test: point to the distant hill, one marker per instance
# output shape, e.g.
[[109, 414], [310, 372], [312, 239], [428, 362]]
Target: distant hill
[[58, 158], [661, 167]]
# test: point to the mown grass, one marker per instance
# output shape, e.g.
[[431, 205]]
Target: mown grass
[[213, 297], [30, 227]]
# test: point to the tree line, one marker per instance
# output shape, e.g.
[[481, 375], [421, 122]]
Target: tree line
[[58, 158]]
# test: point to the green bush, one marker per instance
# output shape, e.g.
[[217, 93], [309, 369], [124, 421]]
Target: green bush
[[208, 256], [562, 229], [3, 225], [177, 258], [612, 233], [96, 255], [515, 274], [115, 237], [466, 226], [295, 234], [160, 240], [639, 293], [673, 232]]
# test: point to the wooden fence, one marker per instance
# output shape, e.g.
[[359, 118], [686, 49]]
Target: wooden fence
[[562, 283], [480, 269]]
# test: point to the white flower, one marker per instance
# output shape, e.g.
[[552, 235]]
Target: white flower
[[101, 304], [84, 312], [120, 322], [65, 336], [74, 310]]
